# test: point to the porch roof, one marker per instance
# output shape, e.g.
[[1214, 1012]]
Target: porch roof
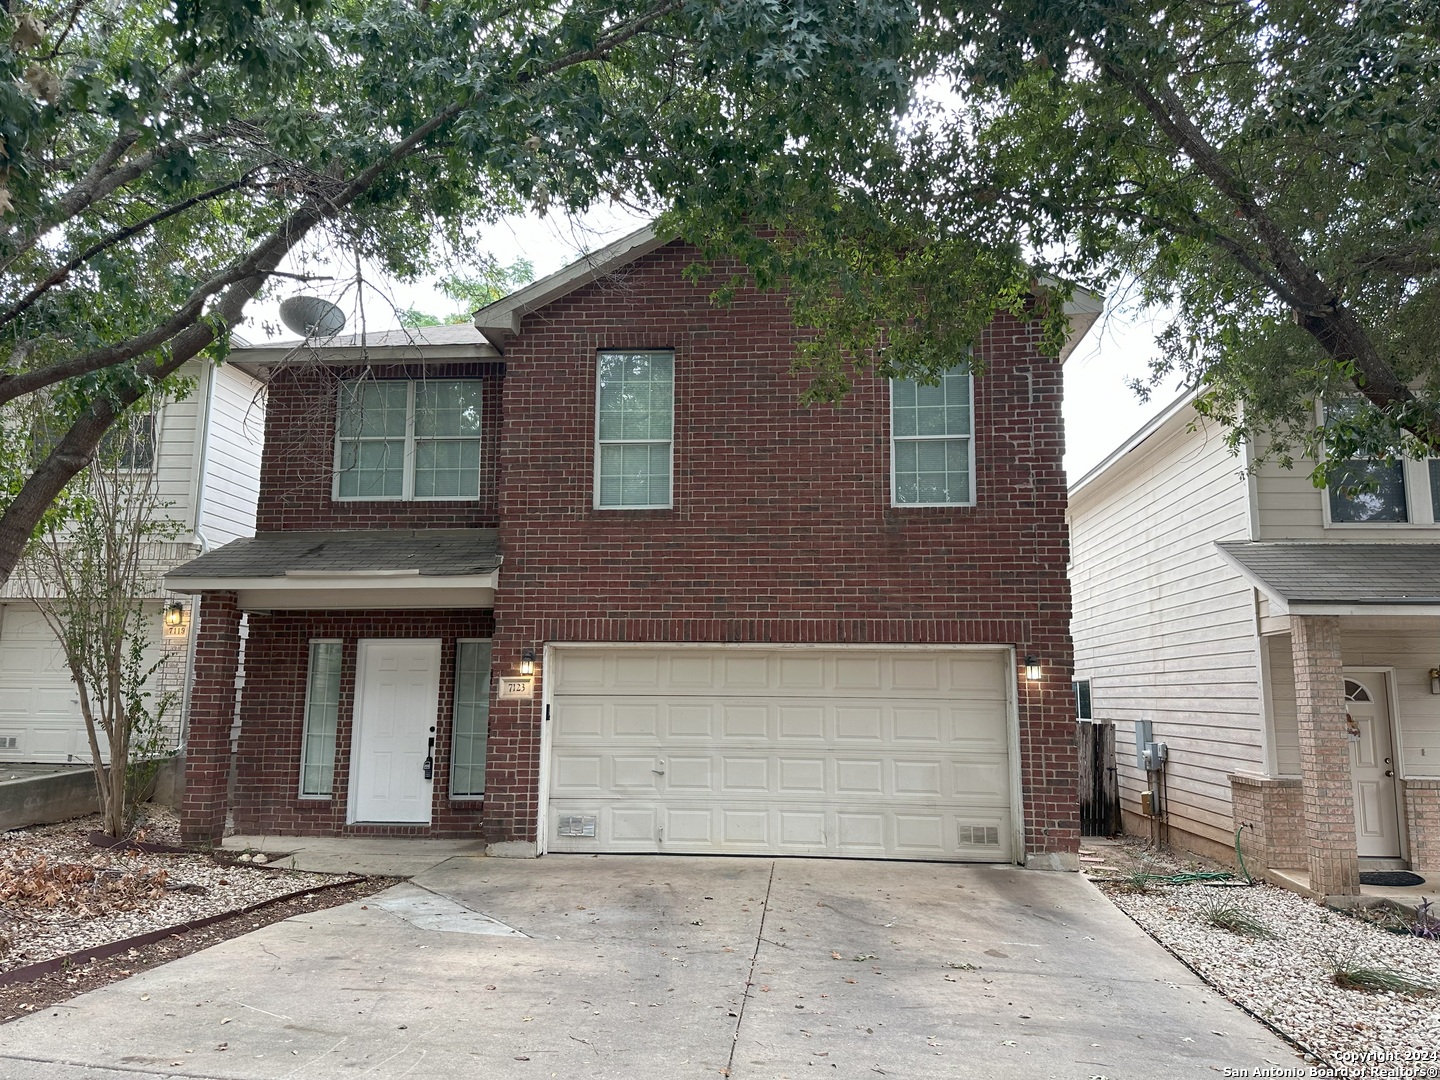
[[386, 568], [1310, 578]]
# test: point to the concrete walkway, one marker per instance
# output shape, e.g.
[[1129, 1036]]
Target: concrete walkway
[[659, 968]]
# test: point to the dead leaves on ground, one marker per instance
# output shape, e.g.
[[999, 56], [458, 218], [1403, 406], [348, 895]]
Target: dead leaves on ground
[[31, 882]]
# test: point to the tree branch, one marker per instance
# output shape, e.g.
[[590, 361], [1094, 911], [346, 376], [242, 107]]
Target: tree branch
[[1318, 310], [63, 272]]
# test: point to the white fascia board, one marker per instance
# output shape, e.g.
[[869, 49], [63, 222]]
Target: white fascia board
[[259, 362], [322, 582], [1151, 426], [1420, 606], [500, 321], [360, 599], [1083, 309]]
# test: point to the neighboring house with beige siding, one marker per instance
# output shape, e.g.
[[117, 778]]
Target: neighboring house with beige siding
[[1206, 592], [205, 453]]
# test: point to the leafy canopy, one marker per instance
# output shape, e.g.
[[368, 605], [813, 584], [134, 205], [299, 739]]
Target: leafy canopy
[[1268, 171], [160, 162]]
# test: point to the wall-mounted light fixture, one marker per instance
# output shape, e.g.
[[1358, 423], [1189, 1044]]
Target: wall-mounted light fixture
[[1032, 668], [174, 613], [527, 662], [1435, 680]]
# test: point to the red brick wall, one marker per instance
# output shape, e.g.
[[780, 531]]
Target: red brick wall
[[272, 718], [298, 462], [212, 706], [782, 528]]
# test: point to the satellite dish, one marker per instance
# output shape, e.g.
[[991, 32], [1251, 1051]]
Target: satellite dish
[[309, 316]]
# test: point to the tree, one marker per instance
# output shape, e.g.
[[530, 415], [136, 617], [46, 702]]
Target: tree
[[1270, 172], [472, 291], [162, 161], [88, 573]]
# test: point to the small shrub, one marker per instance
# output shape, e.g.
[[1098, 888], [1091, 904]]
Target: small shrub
[[1426, 923], [1227, 915], [1356, 976]]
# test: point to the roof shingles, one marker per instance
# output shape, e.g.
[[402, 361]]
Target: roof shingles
[[1342, 573], [428, 552]]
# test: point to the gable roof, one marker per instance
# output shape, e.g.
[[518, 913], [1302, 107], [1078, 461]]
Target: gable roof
[[1334, 578], [500, 322]]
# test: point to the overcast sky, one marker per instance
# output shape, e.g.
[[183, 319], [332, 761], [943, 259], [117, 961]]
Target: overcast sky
[[1101, 412]]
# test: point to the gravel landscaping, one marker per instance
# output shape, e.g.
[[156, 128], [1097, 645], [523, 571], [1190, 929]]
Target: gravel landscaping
[[60, 894], [1283, 969]]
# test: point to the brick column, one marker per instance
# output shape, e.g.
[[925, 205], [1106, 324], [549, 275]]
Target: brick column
[[212, 711], [1326, 791]]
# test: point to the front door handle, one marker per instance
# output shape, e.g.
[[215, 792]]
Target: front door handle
[[1389, 772]]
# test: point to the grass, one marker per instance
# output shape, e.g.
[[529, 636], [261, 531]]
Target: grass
[[1352, 975], [1227, 915]]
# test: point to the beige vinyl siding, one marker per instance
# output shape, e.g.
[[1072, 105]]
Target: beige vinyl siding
[[1411, 648], [1163, 627], [236, 431], [1292, 508], [1282, 705]]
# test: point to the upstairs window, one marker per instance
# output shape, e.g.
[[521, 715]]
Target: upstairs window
[[634, 441], [1372, 491], [932, 455], [399, 440]]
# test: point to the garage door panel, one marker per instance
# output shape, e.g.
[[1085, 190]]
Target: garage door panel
[[686, 721], [800, 722], [840, 752], [684, 828], [690, 775], [636, 721]]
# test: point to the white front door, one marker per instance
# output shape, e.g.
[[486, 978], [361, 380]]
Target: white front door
[[396, 695], [1372, 766]]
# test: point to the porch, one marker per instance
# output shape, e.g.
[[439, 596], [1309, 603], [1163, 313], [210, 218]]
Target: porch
[[1349, 646]]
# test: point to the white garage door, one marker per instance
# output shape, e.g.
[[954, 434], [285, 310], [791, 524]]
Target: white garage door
[[854, 752], [39, 710]]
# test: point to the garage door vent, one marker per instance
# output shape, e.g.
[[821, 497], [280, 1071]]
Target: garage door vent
[[980, 835], [9, 742]]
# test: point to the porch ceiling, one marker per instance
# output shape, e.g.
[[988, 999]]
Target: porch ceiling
[[1341, 578]]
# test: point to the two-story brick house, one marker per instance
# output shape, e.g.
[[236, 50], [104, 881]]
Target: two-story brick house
[[590, 578]]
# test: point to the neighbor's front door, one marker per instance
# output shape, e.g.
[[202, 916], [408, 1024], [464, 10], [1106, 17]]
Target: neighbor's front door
[[1372, 766], [397, 692]]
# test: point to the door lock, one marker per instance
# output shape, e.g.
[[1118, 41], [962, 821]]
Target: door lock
[[1389, 772], [430, 759]]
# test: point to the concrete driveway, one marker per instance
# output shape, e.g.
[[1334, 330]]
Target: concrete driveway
[[659, 968]]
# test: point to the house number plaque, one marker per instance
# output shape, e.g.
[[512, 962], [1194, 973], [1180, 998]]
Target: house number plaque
[[516, 688]]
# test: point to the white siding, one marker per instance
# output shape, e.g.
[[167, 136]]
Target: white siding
[[176, 446], [236, 431], [1163, 627]]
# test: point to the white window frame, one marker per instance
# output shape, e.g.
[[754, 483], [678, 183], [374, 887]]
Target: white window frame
[[407, 481], [305, 719], [890, 420], [595, 479], [454, 700], [1421, 512]]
